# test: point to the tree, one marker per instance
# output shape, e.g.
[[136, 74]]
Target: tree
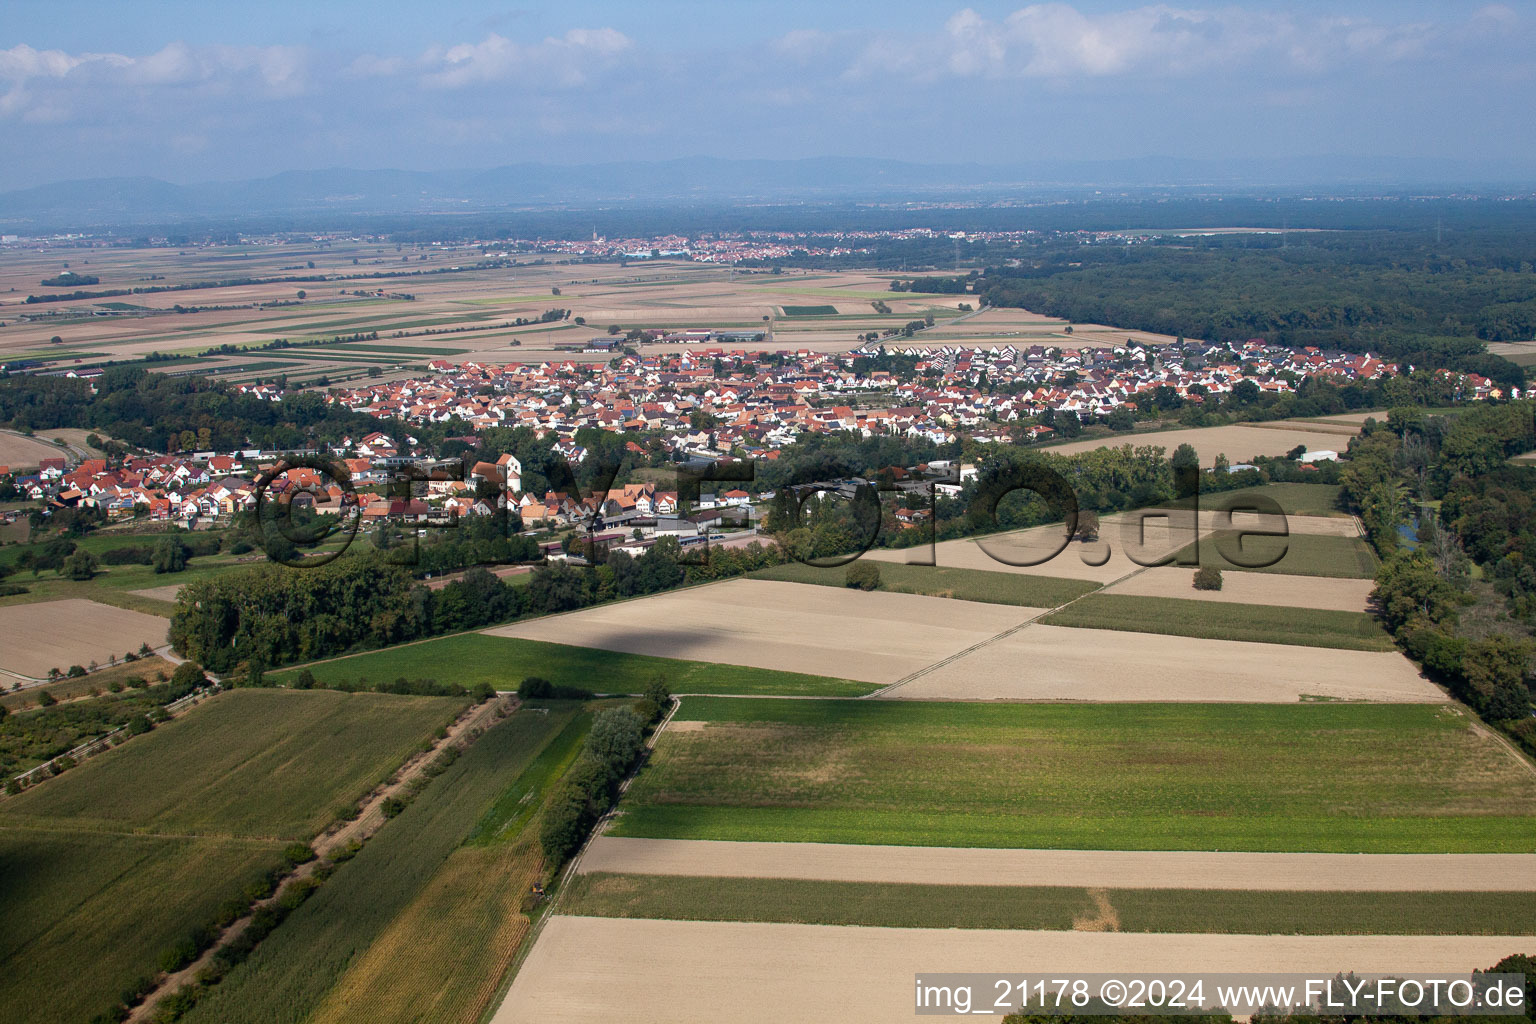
[[1185, 457], [862, 575], [1207, 577], [169, 555], [615, 740], [1495, 667], [1087, 526], [80, 565], [188, 675], [1408, 587], [46, 699], [303, 294]]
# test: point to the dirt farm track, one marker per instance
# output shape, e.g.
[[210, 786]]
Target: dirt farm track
[[585, 968]]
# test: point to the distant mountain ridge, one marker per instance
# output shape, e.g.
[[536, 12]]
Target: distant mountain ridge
[[91, 202]]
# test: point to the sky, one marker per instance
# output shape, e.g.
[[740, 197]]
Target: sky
[[213, 91]]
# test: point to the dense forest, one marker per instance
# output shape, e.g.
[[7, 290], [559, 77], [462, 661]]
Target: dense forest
[[162, 413], [1452, 519], [1404, 295]]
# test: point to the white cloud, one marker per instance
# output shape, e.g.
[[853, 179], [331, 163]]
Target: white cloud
[[51, 85], [566, 60], [1059, 41]]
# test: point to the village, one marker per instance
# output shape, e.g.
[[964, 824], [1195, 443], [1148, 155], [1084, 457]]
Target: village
[[703, 403]]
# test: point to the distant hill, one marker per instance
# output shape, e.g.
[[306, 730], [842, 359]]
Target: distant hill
[[125, 201]]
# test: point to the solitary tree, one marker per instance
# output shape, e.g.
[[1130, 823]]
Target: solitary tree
[[862, 575]]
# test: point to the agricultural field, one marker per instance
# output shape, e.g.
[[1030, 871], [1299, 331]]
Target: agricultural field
[[1239, 441], [937, 581], [872, 637], [1045, 662], [116, 860], [585, 968], [1307, 778], [58, 634], [152, 669], [1113, 869], [20, 452], [260, 770], [458, 310], [1056, 907], [1314, 500], [440, 887], [504, 662], [1305, 627], [1271, 588], [1345, 557]]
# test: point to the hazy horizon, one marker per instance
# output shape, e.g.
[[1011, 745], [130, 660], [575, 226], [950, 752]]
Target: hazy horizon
[[189, 94]]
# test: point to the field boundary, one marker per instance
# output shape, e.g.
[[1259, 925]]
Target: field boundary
[[1005, 634], [369, 820]]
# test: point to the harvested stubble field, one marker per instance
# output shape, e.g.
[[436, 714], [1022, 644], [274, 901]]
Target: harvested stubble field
[[1064, 908], [1239, 441], [1114, 869], [1300, 626], [585, 968], [1128, 542], [19, 452], [874, 637], [1308, 778], [58, 634], [110, 864], [504, 662], [1320, 592], [938, 581], [1044, 662], [402, 900]]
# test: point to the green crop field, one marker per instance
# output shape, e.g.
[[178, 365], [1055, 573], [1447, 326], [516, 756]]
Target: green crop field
[[471, 658], [1300, 554], [109, 865], [937, 581], [810, 310], [1057, 908], [1320, 777], [392, 895], [83, 915], [1217, 620], [256, 763]]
